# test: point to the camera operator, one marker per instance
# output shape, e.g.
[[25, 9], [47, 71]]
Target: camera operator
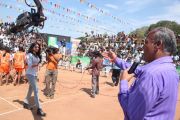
[[52, 58]]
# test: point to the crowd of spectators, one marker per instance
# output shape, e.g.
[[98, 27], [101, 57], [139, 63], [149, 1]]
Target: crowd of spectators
[[128, 47], [25, 38]]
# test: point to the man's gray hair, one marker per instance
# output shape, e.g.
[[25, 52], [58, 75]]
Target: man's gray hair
[[167, 37]]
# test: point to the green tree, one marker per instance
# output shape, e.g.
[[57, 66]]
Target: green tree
[[174, 26], [140, 32], [169, 24]]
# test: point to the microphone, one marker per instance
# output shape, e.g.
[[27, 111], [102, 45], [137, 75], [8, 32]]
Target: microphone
[[134, 66]]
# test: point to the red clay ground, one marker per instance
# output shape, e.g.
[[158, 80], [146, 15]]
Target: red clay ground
[[72, 100]]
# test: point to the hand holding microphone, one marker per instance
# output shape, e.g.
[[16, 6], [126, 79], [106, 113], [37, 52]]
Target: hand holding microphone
[[133, 67], [136, 62], [128, 74]]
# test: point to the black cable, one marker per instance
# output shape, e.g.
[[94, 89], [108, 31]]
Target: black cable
[[75, 85], [78, 90], [28, 4], [78, 83], [107, 95]]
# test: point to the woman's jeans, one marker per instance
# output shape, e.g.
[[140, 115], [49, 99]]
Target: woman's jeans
[[32, 80]]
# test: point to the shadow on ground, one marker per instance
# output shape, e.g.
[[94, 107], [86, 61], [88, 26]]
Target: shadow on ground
[[87, 90], [33, 111], [109, 83]]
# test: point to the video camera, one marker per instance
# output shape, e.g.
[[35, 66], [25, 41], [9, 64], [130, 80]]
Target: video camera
[[51, 50], [28, 19]]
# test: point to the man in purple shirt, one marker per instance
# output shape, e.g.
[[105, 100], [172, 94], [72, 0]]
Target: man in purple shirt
[[153, 95]]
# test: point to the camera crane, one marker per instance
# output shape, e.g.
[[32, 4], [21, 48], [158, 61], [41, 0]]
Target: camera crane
[[29, 19]]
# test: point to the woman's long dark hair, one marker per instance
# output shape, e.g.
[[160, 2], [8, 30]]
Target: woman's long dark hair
[[38, 54]]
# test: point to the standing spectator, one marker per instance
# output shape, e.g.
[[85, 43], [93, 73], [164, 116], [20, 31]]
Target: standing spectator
[[106, 66], [115, 74], [96, 67], [33, 60]]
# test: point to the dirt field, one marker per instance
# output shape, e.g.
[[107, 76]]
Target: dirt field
[[72, 100]]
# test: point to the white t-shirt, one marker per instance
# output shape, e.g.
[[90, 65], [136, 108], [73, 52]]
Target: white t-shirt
[[32, 60]]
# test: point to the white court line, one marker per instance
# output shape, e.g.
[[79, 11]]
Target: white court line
[[11, 111], [9, 103], [11, 97], [49, 101]]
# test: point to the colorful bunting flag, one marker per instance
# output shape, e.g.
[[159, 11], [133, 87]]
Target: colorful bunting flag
[[82, 1]]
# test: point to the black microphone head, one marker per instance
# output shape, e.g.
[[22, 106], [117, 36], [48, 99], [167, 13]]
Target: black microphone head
[[133, 67]]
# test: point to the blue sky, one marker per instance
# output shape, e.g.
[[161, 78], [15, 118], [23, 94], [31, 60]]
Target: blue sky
[[131, 13]]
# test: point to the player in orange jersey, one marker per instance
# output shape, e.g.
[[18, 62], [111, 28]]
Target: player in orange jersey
[[1, 71], [19, 64], [5, 64]]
